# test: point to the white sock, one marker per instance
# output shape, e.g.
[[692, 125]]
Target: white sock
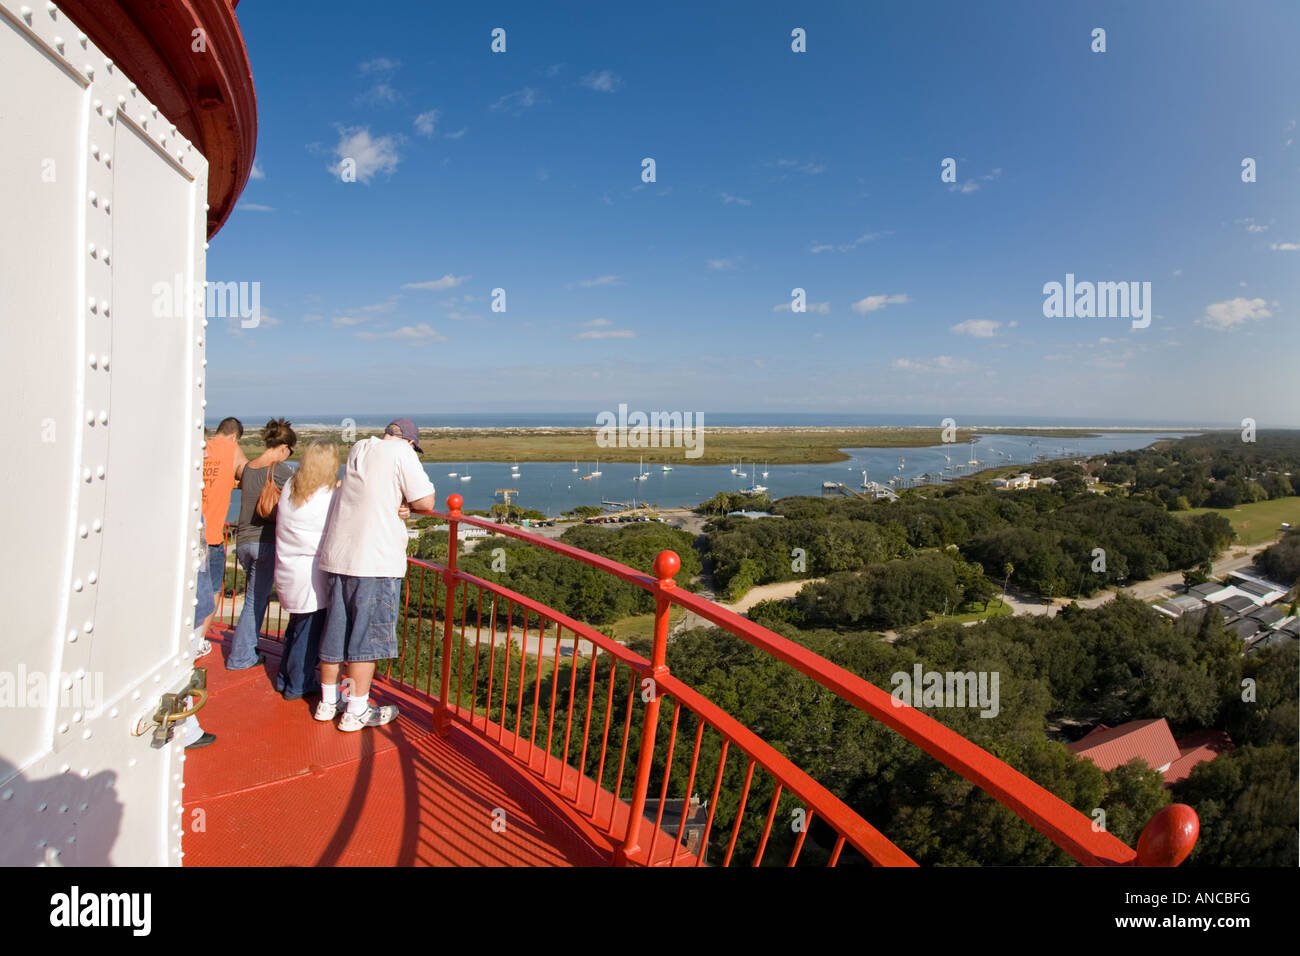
[[329, 693], [357, 706]]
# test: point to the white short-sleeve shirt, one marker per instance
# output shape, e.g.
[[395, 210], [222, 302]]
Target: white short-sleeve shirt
[[299, 581], [365, 538]]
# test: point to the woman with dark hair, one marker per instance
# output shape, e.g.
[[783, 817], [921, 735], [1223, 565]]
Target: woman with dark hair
[[255, 540]]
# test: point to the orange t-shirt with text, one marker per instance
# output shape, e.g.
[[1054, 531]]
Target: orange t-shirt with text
[[218, 483]]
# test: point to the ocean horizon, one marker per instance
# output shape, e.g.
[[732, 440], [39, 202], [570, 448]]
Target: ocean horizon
[[725, 420]]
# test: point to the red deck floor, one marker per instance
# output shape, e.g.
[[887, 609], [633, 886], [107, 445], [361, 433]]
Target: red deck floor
[[278, 788]]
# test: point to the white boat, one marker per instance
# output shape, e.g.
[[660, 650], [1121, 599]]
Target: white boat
[[667, 467], [596, 472], [452, 474], [575, 467], [465, 477], [739, 473], [642, 473], [764, 469], [736, 468], [830, 484]]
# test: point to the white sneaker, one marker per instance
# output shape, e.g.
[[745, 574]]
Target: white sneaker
[[373, 717], [326, 711]]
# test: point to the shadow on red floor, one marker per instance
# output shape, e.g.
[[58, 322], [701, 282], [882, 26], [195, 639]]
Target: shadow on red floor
[[278, 788]]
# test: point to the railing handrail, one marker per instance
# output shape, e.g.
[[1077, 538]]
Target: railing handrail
[[1061, 823], [869, 841]]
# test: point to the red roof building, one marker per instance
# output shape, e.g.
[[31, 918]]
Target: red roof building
[[1152, 742]]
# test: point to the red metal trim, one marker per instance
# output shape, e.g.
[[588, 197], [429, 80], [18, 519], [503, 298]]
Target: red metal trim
[[207, 93]]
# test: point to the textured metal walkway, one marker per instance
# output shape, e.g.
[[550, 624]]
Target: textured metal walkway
[[278, 788]]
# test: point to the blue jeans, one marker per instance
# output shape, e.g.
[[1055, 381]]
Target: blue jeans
[[300, 663], [258, 560], [362, 620]]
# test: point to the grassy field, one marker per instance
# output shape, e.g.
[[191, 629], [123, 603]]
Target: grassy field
[[1258, 522], [777, 446], [995, 609]]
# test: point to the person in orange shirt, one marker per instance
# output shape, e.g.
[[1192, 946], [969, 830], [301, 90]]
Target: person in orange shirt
[[223, 466]]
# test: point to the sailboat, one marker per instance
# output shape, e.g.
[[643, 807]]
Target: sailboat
[[740, 474], [642, 474], [764, 469], [736, 468], [465, 477], [452, 474], [514, 469], [596, 471], [575, 467], [900, 464]]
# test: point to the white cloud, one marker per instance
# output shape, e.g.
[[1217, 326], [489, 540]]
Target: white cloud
[[463, 317], [874, 302], [971, 185], [456, 135], [416, 334], [255, 207], [256, 172], [597, 323], [388, 305], [604, 81], [823, 308], [448, 281], [728, 198], [720, 265], [380, 64], [345, 320], [809, 168], [1233, 312], [1286, 246], [977, 328], [606, 334], [370, 155], [425, 122], [940, 363], [598, 281], [518, 101], [846, 246]]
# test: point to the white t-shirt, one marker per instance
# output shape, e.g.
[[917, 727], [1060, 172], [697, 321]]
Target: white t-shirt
[[365, 538], [299, 580]]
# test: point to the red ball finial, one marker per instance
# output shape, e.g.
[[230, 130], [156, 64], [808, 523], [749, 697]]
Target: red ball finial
[[1168, 836], [454, 502], [666, 565]]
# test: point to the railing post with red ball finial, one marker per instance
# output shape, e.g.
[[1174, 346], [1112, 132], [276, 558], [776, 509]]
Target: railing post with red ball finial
[[441, 713], [666, 565], [1169, 836]]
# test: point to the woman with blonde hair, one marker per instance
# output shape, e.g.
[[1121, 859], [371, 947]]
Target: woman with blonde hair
[[299, 582]]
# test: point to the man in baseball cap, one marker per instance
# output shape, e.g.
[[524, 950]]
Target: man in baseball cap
[[406, 429], [364, 556]]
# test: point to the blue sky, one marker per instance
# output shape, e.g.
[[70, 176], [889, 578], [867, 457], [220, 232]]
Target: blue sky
[[774, 170]]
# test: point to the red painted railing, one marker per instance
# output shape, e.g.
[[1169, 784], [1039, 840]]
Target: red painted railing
[[587, 777]]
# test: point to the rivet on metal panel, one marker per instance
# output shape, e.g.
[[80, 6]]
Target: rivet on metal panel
[[40, 807], [121, 100], [103, 416], [103, 307], [93, 307], [77, 585], [89, 71], [92, 577], [58, 44], [131, 87], [199, 341], [90, 416], [72, 637], [94, 150], [85, 474], [63, 728], [189, 585], [92, 250], [113, 713], [52, 9], [83, 531], [7, 795], [141, 120], [92, 360], [96, 525], [204, 403], [94, 197], [88, 626], [105, 363], [107, 208], [87, 734], [107, 259], [99, 471], [26, 14], [63, 808], [108, 65], [131, 762]]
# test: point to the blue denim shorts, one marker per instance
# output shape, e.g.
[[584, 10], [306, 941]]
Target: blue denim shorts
[[203, 588], [362, 620], [217, 567]]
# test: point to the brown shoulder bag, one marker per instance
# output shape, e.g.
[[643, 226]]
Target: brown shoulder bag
[[270, 496]]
